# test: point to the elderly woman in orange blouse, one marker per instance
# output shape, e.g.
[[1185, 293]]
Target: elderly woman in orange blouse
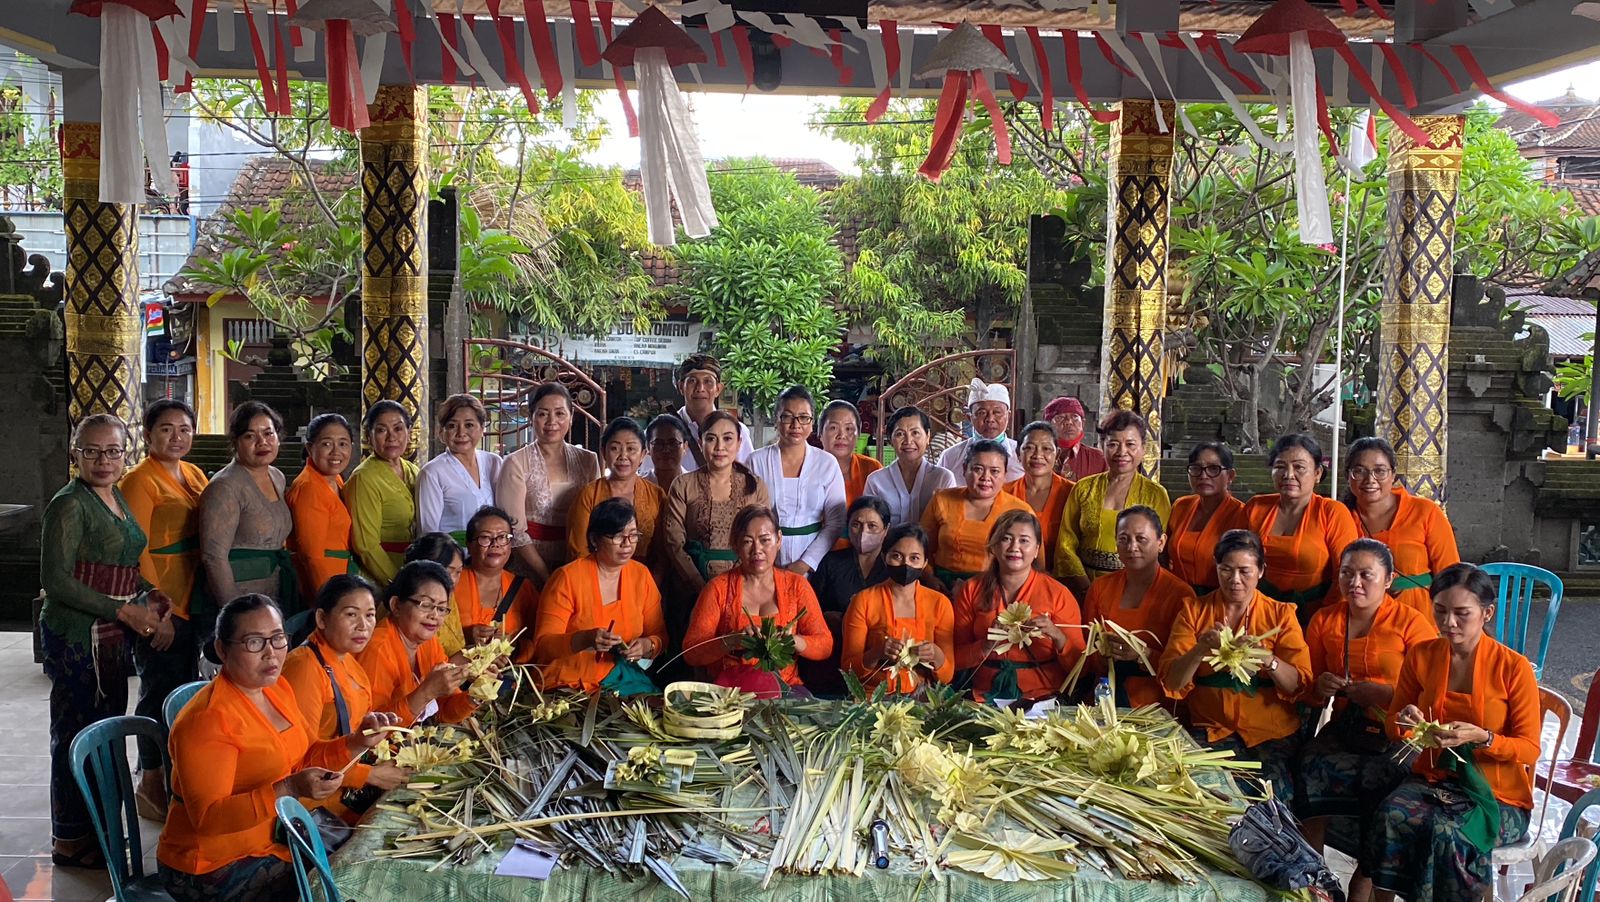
[[1014, 575], [1356, 651], [1256, 719], [839, 432], [1424, 843], [410, 673], [333, 692], [321, 538], [1143, 598], [600, 615], [240, 745], [1302, 532], [1414, 528], [959, 522], [622, 451], [1199, 520], [1045, 492], [489, 601], [885, 619], [733, 604]]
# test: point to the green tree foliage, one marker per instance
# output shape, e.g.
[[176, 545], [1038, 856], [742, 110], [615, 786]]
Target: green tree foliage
[[764, 281], [30, 163]]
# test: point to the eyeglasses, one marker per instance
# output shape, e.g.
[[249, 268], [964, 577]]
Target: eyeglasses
[[626, 538], [426, 606], [258, 644], [1211, 471], [498, 540], [97, 453], [802, 419], [1360, 474], [666, 444]]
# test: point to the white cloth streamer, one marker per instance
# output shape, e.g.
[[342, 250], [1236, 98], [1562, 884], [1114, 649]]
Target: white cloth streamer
[[1152, 46], [480, 62], [1232, 100], [225, 14], [132, 131], [1310, 180], [569, 81], [671, 166], [1115, 42]]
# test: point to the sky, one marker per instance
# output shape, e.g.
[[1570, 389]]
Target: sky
[[754, 124]]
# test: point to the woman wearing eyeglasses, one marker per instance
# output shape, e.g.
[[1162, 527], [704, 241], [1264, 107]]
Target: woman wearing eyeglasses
[[600, 620], [89, 569], [381, 493], [1200, 519], [1415, 529], [410, 674], [245, 521], [622, 447], [806, 485], [490, 600], [666, 441], [1302, 532]]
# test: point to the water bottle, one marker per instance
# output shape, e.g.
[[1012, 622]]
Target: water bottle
[[1102, 690]]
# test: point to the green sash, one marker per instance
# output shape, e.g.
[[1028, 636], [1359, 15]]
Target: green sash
[[1411, 581], [1005, 679], [950, 577], [460, 536], [1305, 601], [1230, 683], [349, 559], [628, 678], [182, 546], [1482, 824], [703, 555], [811, 530]]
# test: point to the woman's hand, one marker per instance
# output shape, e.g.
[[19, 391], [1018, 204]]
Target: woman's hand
[[1328, 685], [161, 639], [1122, 651], [604, 640], [312, 783], [158, 602], [1210, 640], [1408, 717], [640, 648], [1368, 695], [387, 776], [443, 680], [799, 644], [930, 655], [1045, 625], [371, 732], [1462, 733], [887, 650], [483, 633], [734, 642], [139, 619]]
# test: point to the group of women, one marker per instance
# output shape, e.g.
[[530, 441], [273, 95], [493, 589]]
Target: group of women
[[606, 579]]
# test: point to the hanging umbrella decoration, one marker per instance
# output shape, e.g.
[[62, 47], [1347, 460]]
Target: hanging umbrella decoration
[[1293, 28], [963, 57], [671, 169], [132, 131], [343, 20]]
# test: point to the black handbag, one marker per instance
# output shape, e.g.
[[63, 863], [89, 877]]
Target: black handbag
[[1357, 732], [1267, 841]]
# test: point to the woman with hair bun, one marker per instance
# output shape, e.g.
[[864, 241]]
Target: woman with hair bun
[[459, 481], [381, 493], [321, 538], [1414, 528], [1303, 533]]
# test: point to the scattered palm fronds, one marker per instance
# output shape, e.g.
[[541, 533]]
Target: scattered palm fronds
[[1240, 654], [1103, 635], [1013, 628], [425, 749]]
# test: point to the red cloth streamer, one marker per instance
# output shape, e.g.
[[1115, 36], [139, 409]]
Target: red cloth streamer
[[1402, 78], [780, 41], [269, 94], [1111, 57], [604, 8], [290, 8], [1377, 8], [280, 60], [162, 58], [347, 107], [1450, 79], [1349, 7], [197, 28], [1208, 42], [716, 48], [1481, 79], [408, 32], [447, 62], [1359, 72], [997, 119], [1047, 107], [836, 53], [1324, 122], [891, 54], [947, 124], [544, 49], [583, 28], [747, 60], [505, 29], [1069, 40], [1019, 88]]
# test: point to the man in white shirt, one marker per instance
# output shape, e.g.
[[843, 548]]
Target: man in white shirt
[[989, 410], [699, 379]]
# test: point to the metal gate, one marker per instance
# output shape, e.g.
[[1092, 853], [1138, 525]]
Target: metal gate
[[940, 389], [505, 375]]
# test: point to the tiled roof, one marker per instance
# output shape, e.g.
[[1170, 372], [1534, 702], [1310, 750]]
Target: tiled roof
[[1579, 128], [1585, 193], [263, 179]]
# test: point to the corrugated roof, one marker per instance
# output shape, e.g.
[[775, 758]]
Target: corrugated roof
[[1552, 305], [1567, 334]]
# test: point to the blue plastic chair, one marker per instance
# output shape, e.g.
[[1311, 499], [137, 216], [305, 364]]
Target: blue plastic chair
[[305, 845], [102, 750], [178, 698], [1515, 604], [1569, 827]]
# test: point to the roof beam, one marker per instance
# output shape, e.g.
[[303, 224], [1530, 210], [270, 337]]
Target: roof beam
[[1525, 41]]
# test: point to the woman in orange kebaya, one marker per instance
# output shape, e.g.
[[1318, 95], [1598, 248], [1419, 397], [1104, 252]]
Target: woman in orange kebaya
[[1303, 533], [1200, 519], [1434, 837], [1414, 528], [885, 618], [1143, 598], [839, 432], [1256, 719], [959, 522], [1033, 671], [240, 745], [333, 692], [491, 601], [1356, 651], [410, 674], [1045, 492], [600, 616], [733, 603], [622, 448], [320, 542]]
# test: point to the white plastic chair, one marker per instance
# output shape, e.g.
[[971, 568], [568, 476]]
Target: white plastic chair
[[1543, 832], [1558, 875]]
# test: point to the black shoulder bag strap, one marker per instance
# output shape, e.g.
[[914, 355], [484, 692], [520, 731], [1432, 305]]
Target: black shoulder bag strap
[[340, 709], [501, 609]]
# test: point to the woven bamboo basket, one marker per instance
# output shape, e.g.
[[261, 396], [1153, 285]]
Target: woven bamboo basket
[[727, 725]]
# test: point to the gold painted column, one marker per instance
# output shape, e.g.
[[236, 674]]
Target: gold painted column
[[103, 325], [1414, 351], [394, 265], [1136, 268]]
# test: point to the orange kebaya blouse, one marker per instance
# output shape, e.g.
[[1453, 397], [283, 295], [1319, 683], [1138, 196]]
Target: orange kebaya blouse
[[571, 604], [648, 503], [1375, 657], [861, 466], [1224, 712], [168, 510], [394, 677], [1423, 543], [470, 612], [1041, 669], [1151, 621], [1191, 552], [226, 758], [1303, 568], [314, 693], [959, 544], [321, 538], [871, 619], [720, 612], [1050, 516]]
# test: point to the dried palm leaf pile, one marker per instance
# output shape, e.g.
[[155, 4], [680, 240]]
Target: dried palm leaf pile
[[804, 785]]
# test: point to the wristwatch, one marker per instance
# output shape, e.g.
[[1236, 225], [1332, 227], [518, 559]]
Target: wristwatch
[[1272, 665]]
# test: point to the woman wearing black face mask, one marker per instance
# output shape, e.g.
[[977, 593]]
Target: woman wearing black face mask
[[842, 573], [898, 613]]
